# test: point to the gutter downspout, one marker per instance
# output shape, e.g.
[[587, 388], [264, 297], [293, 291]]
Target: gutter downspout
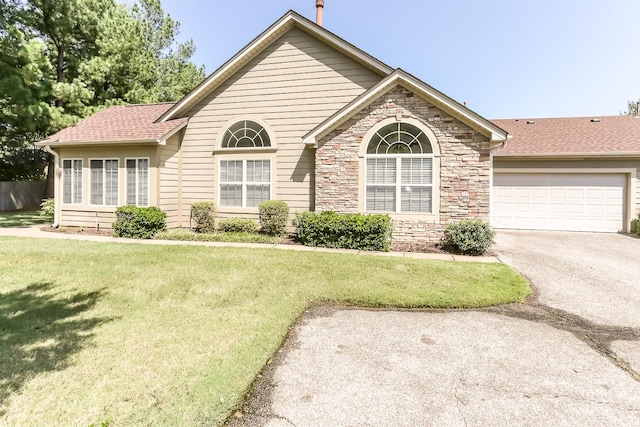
[[56, 186]]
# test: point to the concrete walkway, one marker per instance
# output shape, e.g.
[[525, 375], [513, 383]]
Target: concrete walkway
[[35, 231]]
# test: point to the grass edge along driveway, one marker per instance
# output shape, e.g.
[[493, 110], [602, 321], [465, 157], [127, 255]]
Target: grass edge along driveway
[[126, 334]]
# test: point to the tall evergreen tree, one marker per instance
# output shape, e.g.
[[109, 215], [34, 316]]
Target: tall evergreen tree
[[62, 60]]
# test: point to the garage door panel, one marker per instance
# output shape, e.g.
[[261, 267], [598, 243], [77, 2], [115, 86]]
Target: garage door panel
[[538, 207], [539, 193], [572, 202], [593, 209], [576, 209]]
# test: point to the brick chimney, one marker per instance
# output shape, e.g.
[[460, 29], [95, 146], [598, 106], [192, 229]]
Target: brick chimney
[[319, 8]]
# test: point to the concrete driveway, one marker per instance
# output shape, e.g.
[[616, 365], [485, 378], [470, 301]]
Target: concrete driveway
[[593, 275], [570, 357]]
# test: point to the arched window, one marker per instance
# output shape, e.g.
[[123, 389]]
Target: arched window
[[246, 134], [399, 170], [245, 162]]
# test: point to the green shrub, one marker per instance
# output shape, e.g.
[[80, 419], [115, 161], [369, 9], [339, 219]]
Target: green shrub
[[273, 217], [638, 225], [470, 236], [139, 223], [187, 235], [47, 207], [204, 215], [347, 231], [238, 225]]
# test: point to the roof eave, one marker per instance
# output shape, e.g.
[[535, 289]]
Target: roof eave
[[56, 144], [257, 45], [570, 155]]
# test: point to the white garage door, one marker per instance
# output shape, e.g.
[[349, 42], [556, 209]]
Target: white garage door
[[570, 202]]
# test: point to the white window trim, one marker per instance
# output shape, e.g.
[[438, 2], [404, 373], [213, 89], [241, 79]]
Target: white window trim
[[104, 181], [398, 184], [73, 181], [244, 182], [228, 124], [126, 181]]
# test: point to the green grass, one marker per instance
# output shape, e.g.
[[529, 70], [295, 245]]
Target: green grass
[[174, 335], [22, 218]]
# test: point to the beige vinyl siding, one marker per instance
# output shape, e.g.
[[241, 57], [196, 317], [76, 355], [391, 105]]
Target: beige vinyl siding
[[595, 165], [90, 216], [293, 85], [169, 178]]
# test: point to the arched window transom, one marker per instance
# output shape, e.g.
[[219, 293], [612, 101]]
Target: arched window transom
[[399, 170], [399, 138], [246, 134]]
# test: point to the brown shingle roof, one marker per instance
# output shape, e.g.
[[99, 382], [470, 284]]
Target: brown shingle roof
[[608, 135], [120, 123]]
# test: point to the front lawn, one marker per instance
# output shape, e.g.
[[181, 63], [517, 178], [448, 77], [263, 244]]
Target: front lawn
[[22, 218], [135, 334]]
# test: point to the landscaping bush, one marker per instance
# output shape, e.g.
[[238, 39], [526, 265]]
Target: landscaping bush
[[139, 223], [204, 215], [188, 235], [346, 231], [238, 225], [273, 217], [470, 236], [638, 225], [47, 207]]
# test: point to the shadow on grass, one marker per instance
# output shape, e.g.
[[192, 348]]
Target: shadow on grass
[[39, 331], [22, 219]]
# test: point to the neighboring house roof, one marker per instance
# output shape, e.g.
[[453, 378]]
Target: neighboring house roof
[[290, 20], [432, 95], [120, 124], [607, 136]]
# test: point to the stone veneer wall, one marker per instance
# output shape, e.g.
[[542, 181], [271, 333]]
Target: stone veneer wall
[[464, 167]]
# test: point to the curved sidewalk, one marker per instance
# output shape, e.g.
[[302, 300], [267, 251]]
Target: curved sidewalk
[[34, 231]]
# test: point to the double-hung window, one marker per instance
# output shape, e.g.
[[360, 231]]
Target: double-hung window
[[72, 181], [399, 170], [244, 183], [104, 182], [138, 182]]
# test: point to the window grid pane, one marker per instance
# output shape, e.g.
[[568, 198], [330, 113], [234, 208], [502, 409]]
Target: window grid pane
[[231, 195], [416, 199], [381, 171], [257, 194], [97, 182], [231, 171], [143, 182], [77, 182], [111, 183], [67, 181], [417, 171], [131, 182], [381, 198]]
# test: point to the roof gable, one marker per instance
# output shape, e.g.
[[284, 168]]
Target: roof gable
[[577, 136], [430, 94], [290, 20], [120, 123]]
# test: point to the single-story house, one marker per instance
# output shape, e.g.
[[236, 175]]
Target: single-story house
[[301, 115]]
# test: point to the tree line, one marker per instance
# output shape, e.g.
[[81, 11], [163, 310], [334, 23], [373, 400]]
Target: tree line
[[63, 60]]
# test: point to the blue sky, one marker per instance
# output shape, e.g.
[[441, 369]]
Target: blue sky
[[505, 58]]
